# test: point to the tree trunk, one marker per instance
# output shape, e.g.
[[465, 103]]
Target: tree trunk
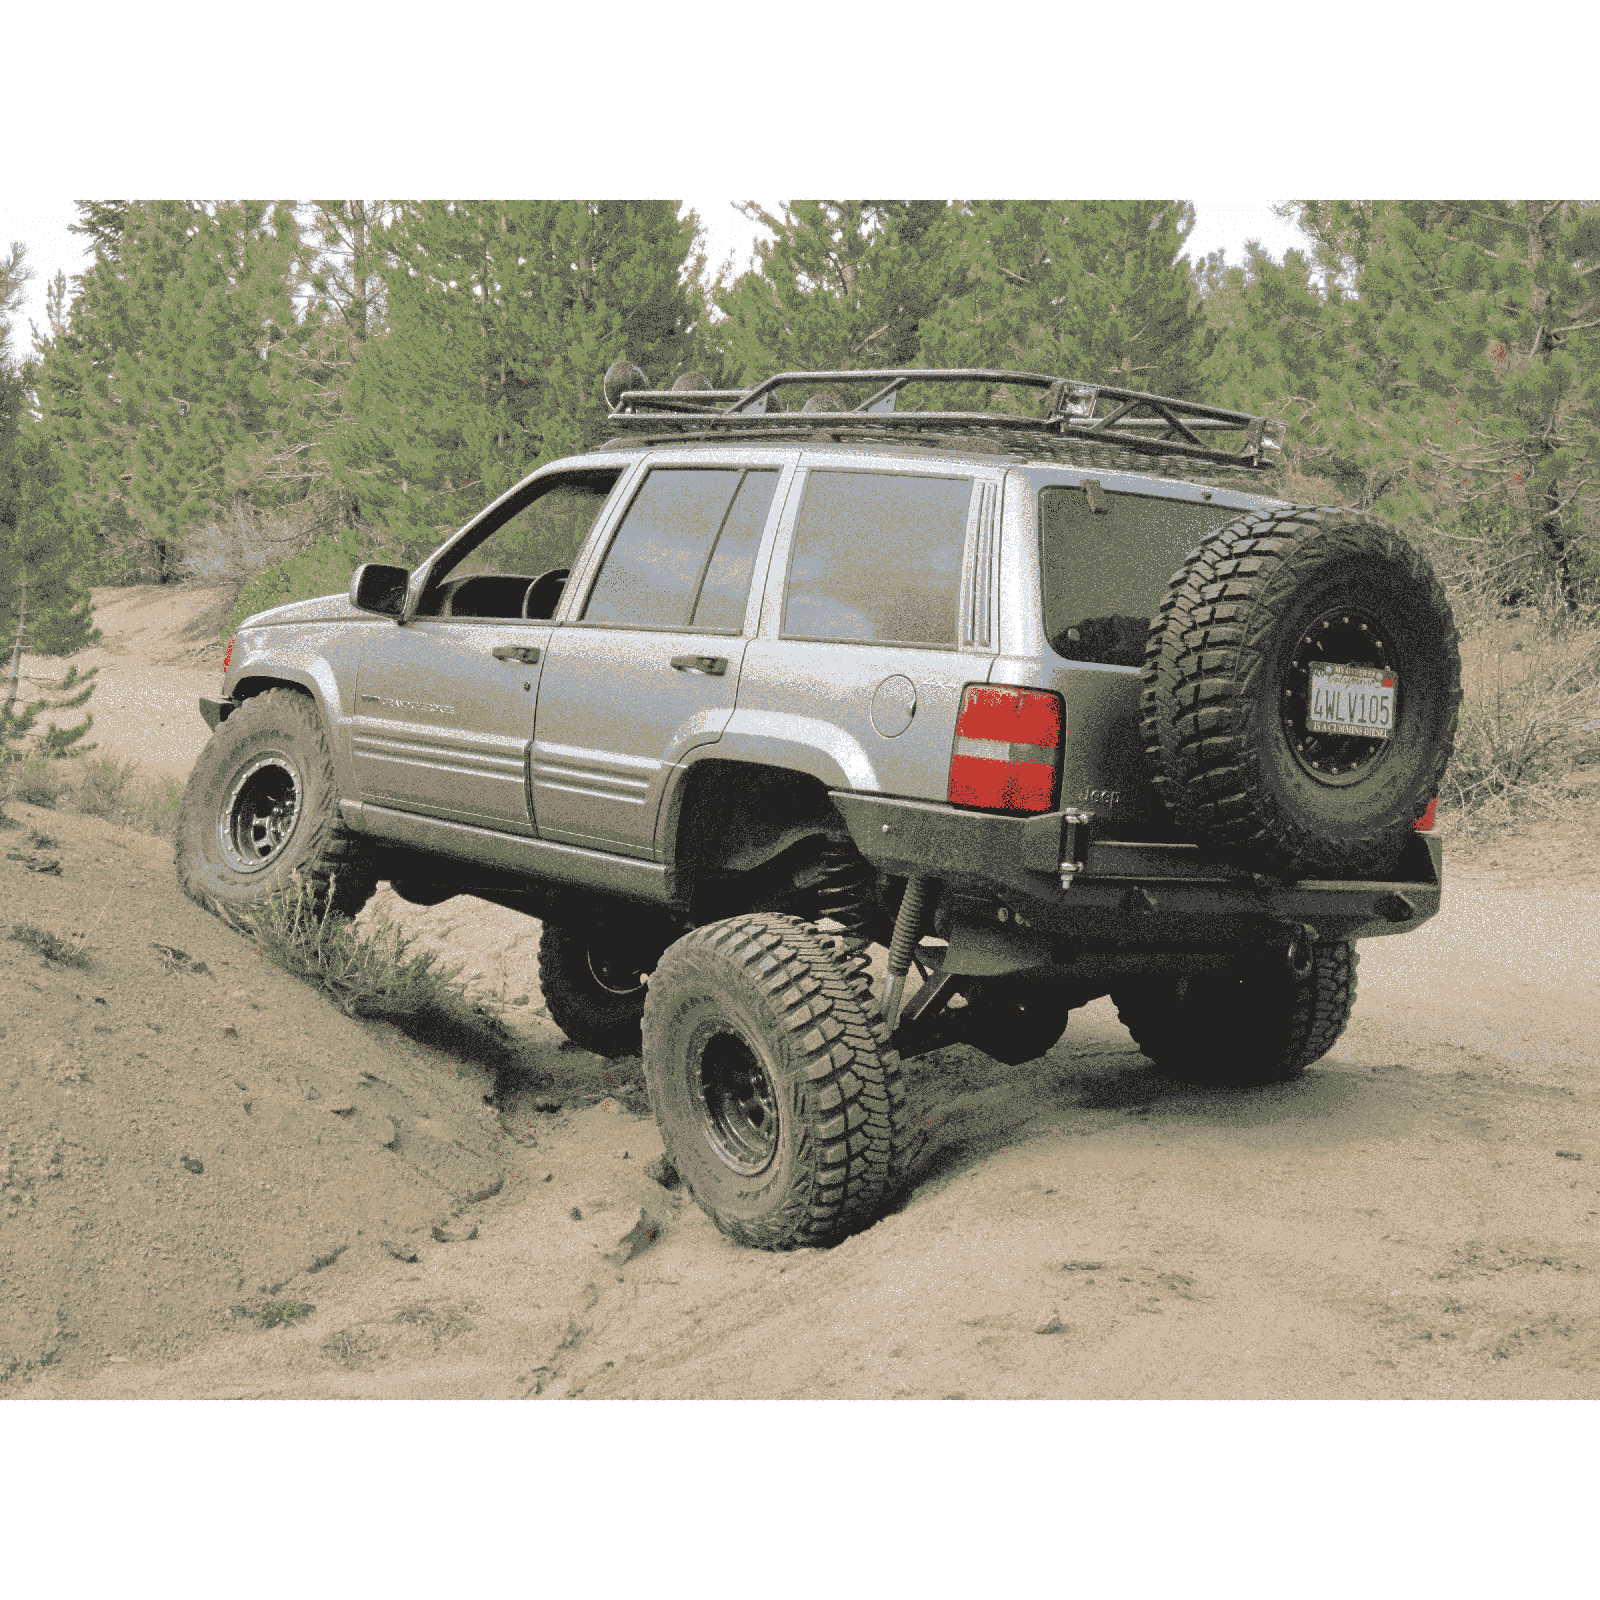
[[1546, 510], [14, 676]]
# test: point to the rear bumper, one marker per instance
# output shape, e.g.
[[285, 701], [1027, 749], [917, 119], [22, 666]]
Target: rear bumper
[[1128, 894]]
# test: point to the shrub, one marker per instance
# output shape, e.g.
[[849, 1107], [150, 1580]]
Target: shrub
[[275, 1313], [103, 787], [53, 948], [365, 975], [1529, 681], [37, 780]]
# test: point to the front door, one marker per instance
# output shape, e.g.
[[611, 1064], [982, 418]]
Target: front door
[[650, 667], [443, 715], [444, 705]]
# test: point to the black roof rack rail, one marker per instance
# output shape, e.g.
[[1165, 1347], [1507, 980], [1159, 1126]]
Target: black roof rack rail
[[1166, 427]]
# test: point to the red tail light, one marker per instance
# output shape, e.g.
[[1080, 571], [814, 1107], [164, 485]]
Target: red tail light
[[229, 656], [1007, 754], [1424, 823]]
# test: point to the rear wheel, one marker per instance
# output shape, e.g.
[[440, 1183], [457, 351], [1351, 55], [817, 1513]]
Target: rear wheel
[[779, 1099], [1254, 1023], [593, 976]]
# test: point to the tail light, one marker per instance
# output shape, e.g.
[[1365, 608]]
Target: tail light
[[1007, 754], [1424, 823], [229, 656]]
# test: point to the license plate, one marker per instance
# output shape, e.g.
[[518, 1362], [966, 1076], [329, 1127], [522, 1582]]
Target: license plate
[[1352, 700]]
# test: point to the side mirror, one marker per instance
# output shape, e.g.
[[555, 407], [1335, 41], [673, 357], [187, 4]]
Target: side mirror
[[375, 587]]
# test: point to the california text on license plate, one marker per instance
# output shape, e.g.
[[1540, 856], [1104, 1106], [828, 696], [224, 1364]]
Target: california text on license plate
[[1352, 700]]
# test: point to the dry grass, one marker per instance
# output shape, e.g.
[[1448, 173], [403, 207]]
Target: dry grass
[[1530, 682], [367, 975], [98, 787]]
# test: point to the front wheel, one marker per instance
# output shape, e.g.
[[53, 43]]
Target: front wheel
[[262, 807], [779, 1098], [1254, 1023]]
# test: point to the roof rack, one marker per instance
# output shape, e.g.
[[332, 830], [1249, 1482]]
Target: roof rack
[[1151, 424]]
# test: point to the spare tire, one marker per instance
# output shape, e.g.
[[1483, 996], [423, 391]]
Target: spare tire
[[1287, 633]]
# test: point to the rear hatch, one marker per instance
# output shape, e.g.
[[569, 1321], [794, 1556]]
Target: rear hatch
[[1090, 557]]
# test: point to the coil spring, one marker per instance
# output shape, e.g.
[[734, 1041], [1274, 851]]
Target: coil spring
[[845, 891]]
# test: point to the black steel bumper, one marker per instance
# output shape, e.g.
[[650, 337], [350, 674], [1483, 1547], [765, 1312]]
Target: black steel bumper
[[216, 712], [1164, 894]]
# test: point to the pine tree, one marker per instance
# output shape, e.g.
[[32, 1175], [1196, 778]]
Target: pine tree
[[1455, 367], [1092, 289], [44, 602], [175, 388], [842, 284], [500, 320]]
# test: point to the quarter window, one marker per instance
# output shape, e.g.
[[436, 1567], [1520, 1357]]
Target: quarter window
[[685, 552], [877, 557]]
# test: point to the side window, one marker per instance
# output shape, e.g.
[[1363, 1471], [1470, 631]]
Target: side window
[[877, 556], [547, 533], [542, 534], [1105, 572], [685, 551]]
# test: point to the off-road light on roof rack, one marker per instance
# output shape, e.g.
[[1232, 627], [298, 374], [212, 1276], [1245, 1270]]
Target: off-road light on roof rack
[[1070, 399], [1150, 424]]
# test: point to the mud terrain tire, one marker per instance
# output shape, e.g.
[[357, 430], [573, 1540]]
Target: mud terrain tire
[[1254, 1024], [592, 976], [1226, 683], [262, 806], [779, 1099]]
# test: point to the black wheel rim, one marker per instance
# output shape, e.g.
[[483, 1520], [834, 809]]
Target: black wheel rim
[[621, 974], [1347, 636], [261, 814], [738, 1109]]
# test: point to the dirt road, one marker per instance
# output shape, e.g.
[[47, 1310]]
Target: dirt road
[[1415, 1218]]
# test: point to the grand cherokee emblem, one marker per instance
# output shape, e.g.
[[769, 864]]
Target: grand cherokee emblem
[[409, 705]]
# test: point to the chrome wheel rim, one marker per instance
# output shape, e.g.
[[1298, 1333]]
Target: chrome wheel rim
[[261, 814]]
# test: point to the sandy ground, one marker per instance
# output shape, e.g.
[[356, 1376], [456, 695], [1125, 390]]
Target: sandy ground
[[1415, 1218], [159, 652]]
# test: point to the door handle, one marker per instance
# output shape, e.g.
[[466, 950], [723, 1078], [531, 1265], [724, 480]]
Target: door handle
[[711, 666], [526, 654]]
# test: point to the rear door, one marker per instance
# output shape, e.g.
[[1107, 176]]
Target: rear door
[[879, 612], [649, 666]]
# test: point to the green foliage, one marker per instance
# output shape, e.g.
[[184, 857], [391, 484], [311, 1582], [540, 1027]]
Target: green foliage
[[276, 1313], [1454, 363], [181, 380], [363, 974], [326, 568], [844, 283], [500, 320], [1091, 289]]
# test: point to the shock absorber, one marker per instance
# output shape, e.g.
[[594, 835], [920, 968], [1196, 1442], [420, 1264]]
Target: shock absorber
[[907, 934]]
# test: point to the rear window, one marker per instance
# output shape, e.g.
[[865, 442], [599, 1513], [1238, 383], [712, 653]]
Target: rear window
[[877, 557], [1105, 572]]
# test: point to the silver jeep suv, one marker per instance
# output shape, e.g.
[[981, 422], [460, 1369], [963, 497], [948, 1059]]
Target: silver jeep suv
[[1051, 700]]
